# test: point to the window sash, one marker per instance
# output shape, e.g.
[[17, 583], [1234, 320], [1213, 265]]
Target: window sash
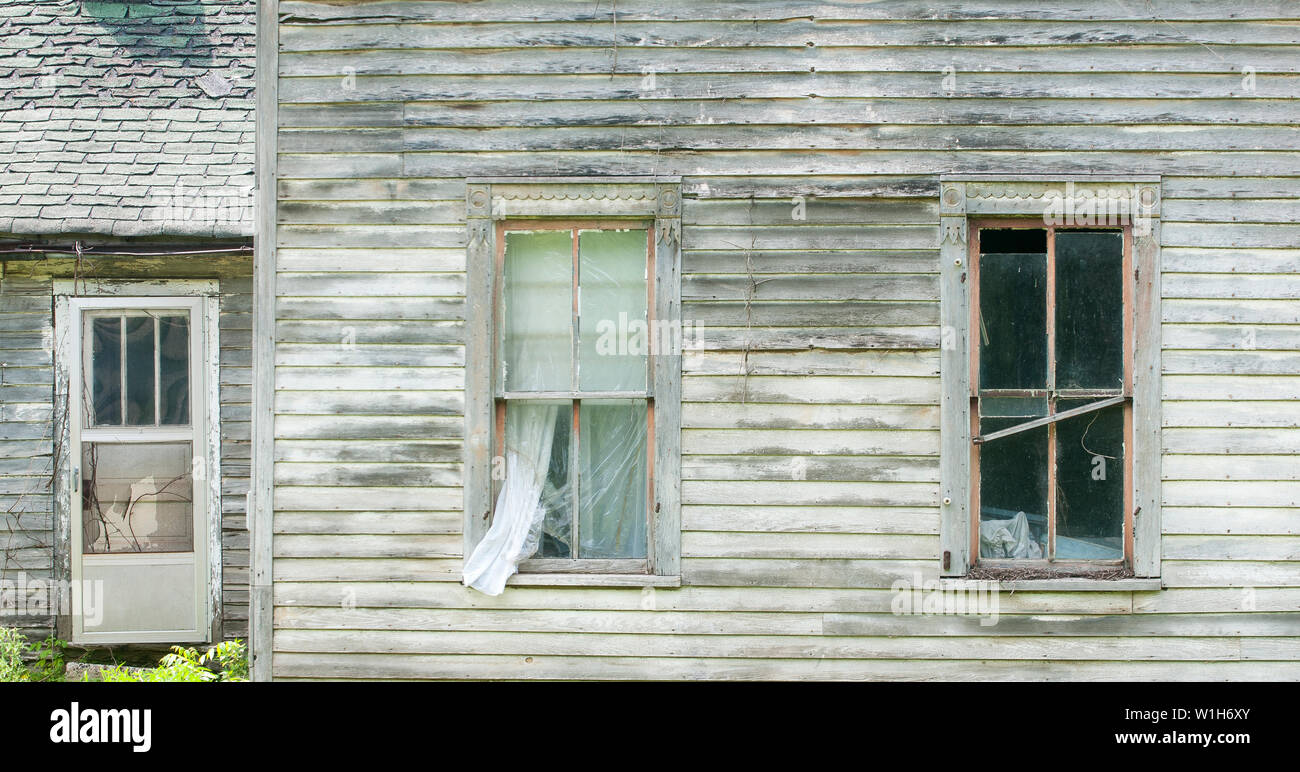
[[578, 562], [1106, 397], [575, 395], [575, 229], [90, 420]]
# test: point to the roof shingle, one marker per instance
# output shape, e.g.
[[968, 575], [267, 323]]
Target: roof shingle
[[127, 118]]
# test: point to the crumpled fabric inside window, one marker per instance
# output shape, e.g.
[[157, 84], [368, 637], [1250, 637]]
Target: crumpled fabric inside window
[[1008, 539]]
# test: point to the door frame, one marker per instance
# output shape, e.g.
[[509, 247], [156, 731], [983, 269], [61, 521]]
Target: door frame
[[70, 298]]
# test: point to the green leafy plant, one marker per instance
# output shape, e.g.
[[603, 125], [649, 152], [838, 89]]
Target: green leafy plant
[[232, 656], [24, 661], [12, 647], [49, 663], [187, 665]]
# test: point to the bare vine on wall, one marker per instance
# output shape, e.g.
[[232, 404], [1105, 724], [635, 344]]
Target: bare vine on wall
[[751, 292], [27, 530]]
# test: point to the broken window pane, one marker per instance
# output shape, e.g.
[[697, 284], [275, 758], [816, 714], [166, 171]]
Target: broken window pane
[[139, 371], [613, 478], [613, 333], [1012, 318], [1090, 484], [1089, 309], [137, 497], [106, 370], [1013, 492], [174, 370], [538, 312]]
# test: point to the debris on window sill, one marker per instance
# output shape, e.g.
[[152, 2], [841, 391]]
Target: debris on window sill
[[1043, 579], [1015, 573]]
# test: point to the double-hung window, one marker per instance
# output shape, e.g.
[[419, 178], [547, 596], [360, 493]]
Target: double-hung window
[[576, 403], [1052, 417], [1050, 366], [573, 380]]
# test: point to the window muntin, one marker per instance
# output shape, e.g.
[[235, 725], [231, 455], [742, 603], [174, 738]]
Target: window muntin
[[1051, 334], [138, 368], [573, 367]]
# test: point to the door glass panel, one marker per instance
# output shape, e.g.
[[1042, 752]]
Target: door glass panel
[[613, 478], [1089, 309], [174, 370], [1013, 492], [1090, 484], [106, 371], [140, 371], [137, 497], [613, 336], [538, 311]]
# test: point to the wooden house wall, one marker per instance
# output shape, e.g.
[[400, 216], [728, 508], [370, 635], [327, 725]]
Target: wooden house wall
[[26, 441], [27, 444], [810, 419]]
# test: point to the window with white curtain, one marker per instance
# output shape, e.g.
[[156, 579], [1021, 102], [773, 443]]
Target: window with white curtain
[[573, 381], [575, 405]]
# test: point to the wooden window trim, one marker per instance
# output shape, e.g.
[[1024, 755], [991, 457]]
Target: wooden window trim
[[966, 200], [495, 205]]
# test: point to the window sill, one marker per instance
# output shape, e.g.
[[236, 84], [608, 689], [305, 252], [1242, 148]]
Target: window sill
[[593, 580], [1062, 584]]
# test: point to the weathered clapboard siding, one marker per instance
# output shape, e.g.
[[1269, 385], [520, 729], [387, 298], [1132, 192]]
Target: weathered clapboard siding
[[810, 143], [236, 330], [1231, 497], [27, 444]]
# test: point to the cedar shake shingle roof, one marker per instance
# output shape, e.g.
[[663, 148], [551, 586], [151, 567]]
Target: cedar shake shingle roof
[[127, 118]]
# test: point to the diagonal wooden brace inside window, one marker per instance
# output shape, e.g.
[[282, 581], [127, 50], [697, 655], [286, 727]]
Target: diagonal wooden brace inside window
[[1051, 419]]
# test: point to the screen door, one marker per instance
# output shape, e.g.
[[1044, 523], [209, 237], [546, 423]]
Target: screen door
[[138, 429]]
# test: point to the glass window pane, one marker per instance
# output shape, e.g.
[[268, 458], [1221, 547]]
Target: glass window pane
[[613, 481], [538, 315], [541, 432], [1013, 241], [1090, 484], [106, 370], [139, 370], [1013, 492], [1013, 407], [137, 497], [613, 332], [174, 369], [1089, 309], [1012, 320]]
